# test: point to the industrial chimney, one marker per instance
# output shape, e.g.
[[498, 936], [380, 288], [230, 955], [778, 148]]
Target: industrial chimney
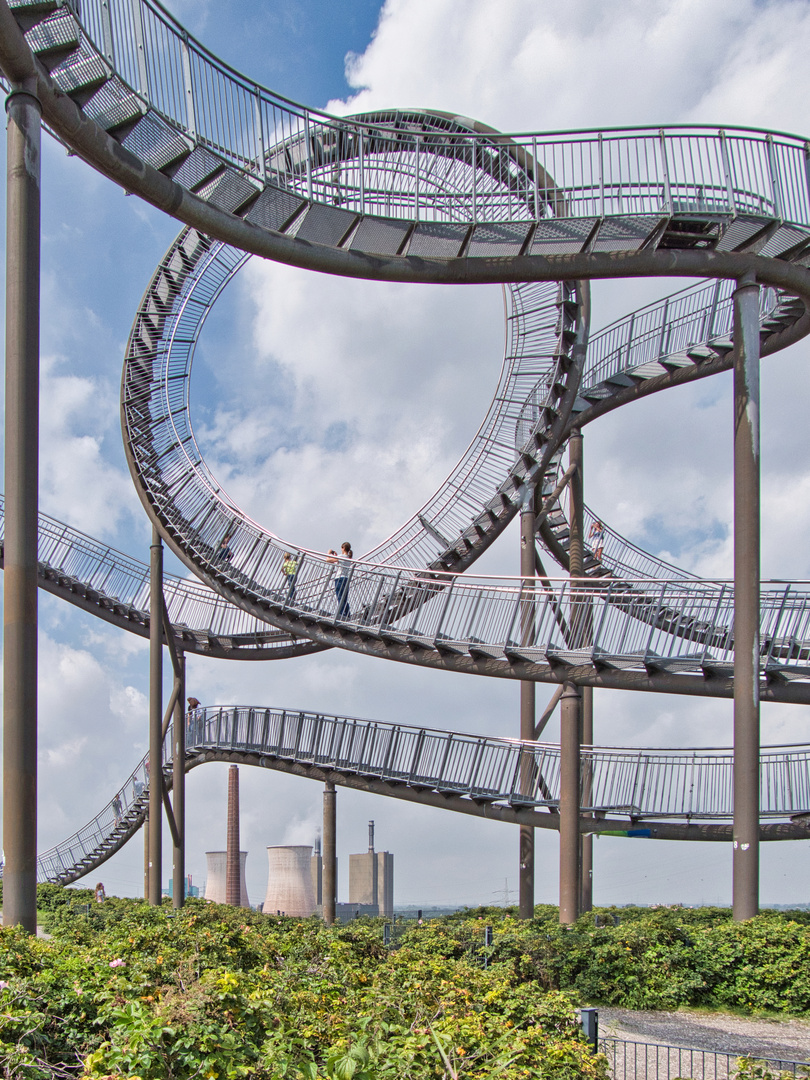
[[233, 894]]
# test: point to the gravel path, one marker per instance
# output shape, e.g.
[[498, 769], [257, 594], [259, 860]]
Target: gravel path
[[788, 1040]]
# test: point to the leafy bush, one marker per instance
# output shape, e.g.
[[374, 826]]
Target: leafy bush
[[123, 989]]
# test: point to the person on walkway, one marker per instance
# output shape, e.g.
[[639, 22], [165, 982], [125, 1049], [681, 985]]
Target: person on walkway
[[596, 537], [193, 718], [224, 553], [289, 569], [118, 809], [344, 568], [100, 895]]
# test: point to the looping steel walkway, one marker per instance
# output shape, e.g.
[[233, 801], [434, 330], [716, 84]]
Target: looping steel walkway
[[431, 197]]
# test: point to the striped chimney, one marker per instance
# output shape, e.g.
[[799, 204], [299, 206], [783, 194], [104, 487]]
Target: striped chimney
[[233, 884]]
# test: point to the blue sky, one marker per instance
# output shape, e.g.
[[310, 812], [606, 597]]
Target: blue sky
[[365, 394]]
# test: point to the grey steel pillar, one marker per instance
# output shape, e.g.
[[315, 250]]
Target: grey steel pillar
[[586, 864], [584, 629], [571, 708], [179, 790], [155, 719], [746, 600], [146, 856], [329, 865], [569, 803], [527, 706], [21, 489]]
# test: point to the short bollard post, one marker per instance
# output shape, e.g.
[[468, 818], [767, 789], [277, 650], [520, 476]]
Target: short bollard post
[[589, 1018]]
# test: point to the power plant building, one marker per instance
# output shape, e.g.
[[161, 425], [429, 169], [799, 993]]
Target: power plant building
[[216, 882], [290, 889], [371, 880]]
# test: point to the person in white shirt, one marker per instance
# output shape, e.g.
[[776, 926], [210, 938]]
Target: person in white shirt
[[344, 563]]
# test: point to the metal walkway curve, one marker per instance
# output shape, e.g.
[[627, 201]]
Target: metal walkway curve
[[115, 587], [432, 197], [429, 196], [649, 625], [132, 92], [661, 794]]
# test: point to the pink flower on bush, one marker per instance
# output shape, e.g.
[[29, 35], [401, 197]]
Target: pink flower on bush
[[117, 963], [4, 985]]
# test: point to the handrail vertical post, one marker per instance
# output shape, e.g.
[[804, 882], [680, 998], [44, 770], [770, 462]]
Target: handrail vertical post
[[474, 181], [665, 167], [361, 160], [664, 327], [773, 170], [536, 181], [732, 206], [21, 481], [107, 34], [260, 136], [776, 624], [188, 81], [746, 600], [713, 315], [600, 140], [143, 72], [416, 180], [308, 148]]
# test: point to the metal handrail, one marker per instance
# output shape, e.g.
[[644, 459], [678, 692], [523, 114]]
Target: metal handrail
[[685, 625], [689, 784], [119, 584], [636, 171]]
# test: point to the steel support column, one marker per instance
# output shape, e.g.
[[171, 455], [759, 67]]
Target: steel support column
[[586, 891], [21, 488], [746, 600], [155, 719], [527, 703], [571, 706], [585, 620], [179, 788], [146, 856], [329, 856]]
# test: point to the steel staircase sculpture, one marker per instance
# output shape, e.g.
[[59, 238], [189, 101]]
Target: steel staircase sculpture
[[683, 794], [419, 196]]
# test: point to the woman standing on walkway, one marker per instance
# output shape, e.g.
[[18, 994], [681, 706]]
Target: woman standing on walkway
[[344, 565]]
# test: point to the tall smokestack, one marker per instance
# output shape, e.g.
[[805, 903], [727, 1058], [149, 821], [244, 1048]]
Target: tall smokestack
[[233, 884], [371, 836]]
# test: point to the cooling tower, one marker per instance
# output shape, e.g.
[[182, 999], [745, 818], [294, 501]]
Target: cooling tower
[[289, 882], [215, 885]]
